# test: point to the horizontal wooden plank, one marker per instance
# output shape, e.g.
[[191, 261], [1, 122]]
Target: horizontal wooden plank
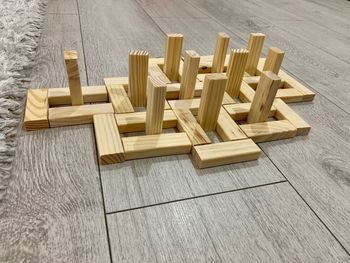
[[227, 128], [239, 111], [36, 112], [119, 99]]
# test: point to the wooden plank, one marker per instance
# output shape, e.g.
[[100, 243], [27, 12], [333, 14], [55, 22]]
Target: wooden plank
[[156, 72], [273, 60], [189, 75], [119, 99], [36, 111], [116, 81], [235, 71], [109, 144], [269, 131], [192, 105], [227, 129], [246, 93], [91, 94], [137, 147], [284, 112], [211, 101], [206, 62], [255, 45], [289, 95], [186, 122], [222, 41], [75, 115], [71, 60], [239, 111], [173, 56]]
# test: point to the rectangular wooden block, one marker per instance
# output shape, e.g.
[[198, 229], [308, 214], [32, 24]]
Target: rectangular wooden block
[[156, 72], [119, 99], [206, 62], [135, 122], [116, 80], [137, 147], [239, 111], [225, 153], [192, 105], [269, 131], [109, 144], [74, 115], [246, 93], [91, 94], [173, 90], [227, 129], [36, 112]]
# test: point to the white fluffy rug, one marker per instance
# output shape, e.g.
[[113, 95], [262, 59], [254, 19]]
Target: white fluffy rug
[[20, 23]]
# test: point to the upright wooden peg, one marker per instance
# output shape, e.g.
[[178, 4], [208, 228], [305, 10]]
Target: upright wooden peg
[[156, 92], [255, 45], [211, 100], [138, 72], [172, 56], [235, 71], [71, 60], [222, 41], [274, 60], [189, 75], [264, 96]]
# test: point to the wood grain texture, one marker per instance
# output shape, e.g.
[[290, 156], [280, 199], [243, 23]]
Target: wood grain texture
[[252, 225], [239, 111], [189, 75], [255, 45], [235, 71], [119, 98], [227, 128], [36, 110], [71, 60], [156, 72], [273, 60], [172, 57], [222, 41]]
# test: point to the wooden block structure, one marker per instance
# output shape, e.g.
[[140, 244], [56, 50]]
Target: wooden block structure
[[240, 96]]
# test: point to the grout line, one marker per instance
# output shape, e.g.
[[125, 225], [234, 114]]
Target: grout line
[[195, 197]]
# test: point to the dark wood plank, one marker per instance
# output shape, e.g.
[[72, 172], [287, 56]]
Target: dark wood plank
[[265, 224], [53, 210]]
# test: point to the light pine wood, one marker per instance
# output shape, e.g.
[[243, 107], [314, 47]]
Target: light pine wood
[[91, 94], [75, 115], [235, 71], [36, 111], [119, 99], [289, 95], [211, 101], [189, 75], [246, 93], [71, 60], [138, 72], [156, 93], [172, 56], [116, 81], [186, 122], [173, 90], [156, 72], [273, 60], [239, 111], [284, 112], [146, 146], [255, 45], [192, 105], [225, 153], [108, 141], [227, 129], [135, 122], [222, 41], [269, 131], [264, 97]]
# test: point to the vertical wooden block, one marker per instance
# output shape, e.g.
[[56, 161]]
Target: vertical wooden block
[[71, 60], [156, 92], [255, 45], [138, 72], [274, 60], [189, 75], [222, 41], [264, 96], [36, 113], [235, 71], [109, 144], [172, 56], [211, 100]]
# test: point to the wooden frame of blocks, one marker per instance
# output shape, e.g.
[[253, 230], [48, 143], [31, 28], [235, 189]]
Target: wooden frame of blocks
[[240, 96]]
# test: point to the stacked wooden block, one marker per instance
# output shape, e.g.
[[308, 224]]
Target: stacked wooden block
[[239, 96]]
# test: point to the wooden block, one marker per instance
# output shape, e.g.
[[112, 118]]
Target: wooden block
[[156, 145], [74, 115], [269, 131], [166, 105], [264, 97], [173, 90], [274, 60], [36, 112], [227, 129], [235, 71], [189, 75], [71, 60], [252, 81], [173, 56], [186, 122], [225, 153], [156, 92], [109, 144], [157, 61], [138, 72], [211, 100], [156, 72], [116, 81], [135, 122], [228, 100], [91, 94], [191, 105], [119, 99], [255, 45], [239, 111], [289, 95], [222, 41], [284, 112], [246, 93]]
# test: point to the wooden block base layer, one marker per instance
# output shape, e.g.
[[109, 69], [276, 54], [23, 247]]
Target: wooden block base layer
[[36, 113]]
